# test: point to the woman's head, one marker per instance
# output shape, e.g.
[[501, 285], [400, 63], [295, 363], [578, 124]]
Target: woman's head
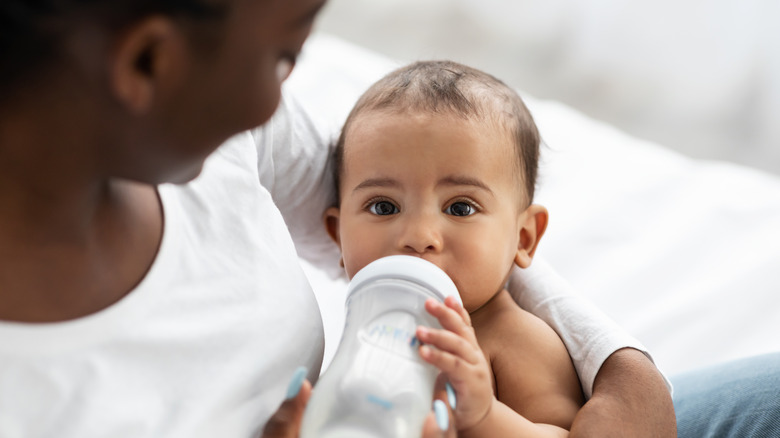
[[159, 84], [33, 33]]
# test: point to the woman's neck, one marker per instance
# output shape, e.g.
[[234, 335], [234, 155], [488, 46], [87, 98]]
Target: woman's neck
[[47, 180], [71, 242], [72, 264]]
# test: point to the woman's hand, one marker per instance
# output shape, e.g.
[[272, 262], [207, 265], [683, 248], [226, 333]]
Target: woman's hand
[[440, 423], [461, 361], [286, 422]]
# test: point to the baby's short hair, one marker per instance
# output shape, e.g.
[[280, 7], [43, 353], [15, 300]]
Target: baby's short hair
[[446, 87]]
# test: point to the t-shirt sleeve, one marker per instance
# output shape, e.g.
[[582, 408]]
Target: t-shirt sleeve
[[589, 335], [294, 165]]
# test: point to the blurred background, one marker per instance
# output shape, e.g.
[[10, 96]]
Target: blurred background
[[700, 77]]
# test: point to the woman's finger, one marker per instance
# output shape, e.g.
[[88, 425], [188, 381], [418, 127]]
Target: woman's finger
[[440, 422], [286, 421]]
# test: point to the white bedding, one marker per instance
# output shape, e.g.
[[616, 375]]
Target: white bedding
[[683, 253]]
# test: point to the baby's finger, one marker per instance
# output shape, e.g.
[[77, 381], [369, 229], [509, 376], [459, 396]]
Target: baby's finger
[[450, 319], [455, 305], [453, 366], [450, 342]]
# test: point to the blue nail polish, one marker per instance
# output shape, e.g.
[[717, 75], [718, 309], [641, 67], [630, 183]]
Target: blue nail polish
[[296, 382], [442, 416], [451, 396]]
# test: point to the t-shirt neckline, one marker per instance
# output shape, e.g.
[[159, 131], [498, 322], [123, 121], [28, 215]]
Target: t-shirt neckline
[[49, 337]]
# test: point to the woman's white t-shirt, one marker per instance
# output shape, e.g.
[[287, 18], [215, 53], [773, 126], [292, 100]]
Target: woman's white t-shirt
[[205, 345]]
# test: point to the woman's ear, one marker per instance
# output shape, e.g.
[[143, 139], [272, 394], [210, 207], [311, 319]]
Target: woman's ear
[[147, 61], [331, 219], [532, 227]]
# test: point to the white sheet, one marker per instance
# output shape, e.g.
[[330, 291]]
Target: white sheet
[[683, 253]]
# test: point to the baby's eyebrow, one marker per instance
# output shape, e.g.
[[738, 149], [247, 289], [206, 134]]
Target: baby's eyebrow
[[376, 182], [461, 180]]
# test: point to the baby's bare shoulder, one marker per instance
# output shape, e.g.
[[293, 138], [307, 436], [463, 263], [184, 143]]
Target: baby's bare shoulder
[[503, 323], [533, 372]]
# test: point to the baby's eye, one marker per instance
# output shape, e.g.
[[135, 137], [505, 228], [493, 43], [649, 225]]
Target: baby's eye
[[460, 209], [383, 208]]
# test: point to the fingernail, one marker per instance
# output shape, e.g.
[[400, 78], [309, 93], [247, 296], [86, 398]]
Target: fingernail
[[442, 416], [296, 382], [451, 396]]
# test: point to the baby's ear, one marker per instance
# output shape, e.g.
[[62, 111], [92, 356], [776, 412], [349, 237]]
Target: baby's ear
[[331, 219], [533, 223]]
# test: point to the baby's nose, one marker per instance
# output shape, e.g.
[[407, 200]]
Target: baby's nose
[[421, 236]]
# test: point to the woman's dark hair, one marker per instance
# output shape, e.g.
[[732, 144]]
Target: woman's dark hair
[[31, 31]]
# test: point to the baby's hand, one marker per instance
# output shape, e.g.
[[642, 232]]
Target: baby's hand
[[458, 356]]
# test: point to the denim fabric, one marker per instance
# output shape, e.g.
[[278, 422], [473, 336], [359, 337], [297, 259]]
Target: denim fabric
[[735, 399]]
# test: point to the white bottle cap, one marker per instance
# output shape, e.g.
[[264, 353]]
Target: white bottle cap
[[407, 268]]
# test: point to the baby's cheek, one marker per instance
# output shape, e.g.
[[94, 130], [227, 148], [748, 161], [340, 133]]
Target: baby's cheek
[[351, 265], [473, 296], [479, 288], [356, 256]]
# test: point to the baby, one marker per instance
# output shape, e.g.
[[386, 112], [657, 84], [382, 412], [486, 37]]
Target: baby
[[439, 160]]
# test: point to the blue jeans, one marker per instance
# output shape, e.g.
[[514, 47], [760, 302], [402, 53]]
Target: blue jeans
[[735, 399]]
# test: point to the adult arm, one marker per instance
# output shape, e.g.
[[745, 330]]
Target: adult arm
[[630, 398], [627, 395], [294, 154]]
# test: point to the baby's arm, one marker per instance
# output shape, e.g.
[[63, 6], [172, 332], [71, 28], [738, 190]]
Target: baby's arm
[[478, 412], [533, 372]]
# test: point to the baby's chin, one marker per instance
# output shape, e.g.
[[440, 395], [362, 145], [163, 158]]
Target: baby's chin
[[472, 307], [475, 300]]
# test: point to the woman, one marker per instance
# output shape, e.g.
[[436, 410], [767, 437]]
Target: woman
[[133, 307]]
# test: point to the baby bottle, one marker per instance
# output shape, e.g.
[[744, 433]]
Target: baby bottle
[[377, 385]]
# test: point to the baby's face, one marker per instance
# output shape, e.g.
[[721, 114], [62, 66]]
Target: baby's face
[[438, 187]]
